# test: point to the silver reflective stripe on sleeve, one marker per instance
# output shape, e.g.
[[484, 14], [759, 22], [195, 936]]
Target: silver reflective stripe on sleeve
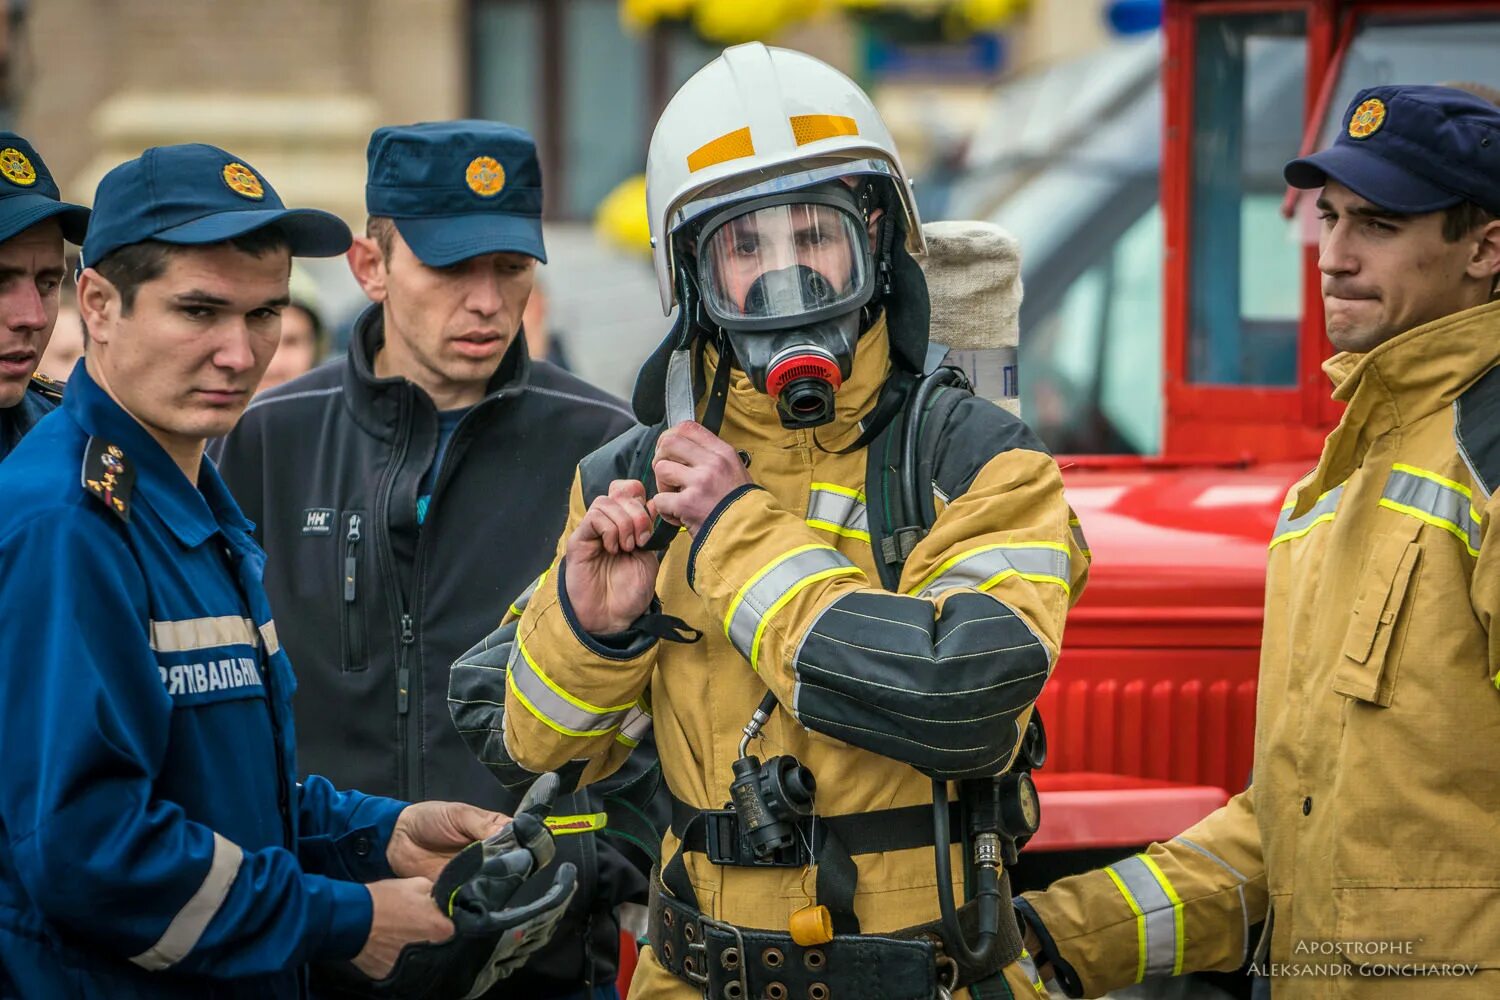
[[187, 927], [982, 568], [1158, 915], [1078, 539], [1288, 527], [838, 509], [554, 707], [1434, 500], [771, 588], [187, 634], [635, 727], [1240, 888]]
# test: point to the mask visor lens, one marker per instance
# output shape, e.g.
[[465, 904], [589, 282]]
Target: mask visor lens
[[782, 262]]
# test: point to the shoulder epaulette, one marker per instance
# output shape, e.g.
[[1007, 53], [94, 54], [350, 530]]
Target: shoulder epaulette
[[47, 386], [1478, 430], [108, 475]]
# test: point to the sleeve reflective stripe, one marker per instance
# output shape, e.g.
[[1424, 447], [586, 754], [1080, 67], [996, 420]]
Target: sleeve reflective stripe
[[1158, 915], [187, 927], [556, 708], [1437, 501], [838, 509], [636, 725], [772, 587], [519, 604], [587, 823], [268, 636], [1028, 966], [1288, 527], [1078, 539], [982, 568], [187, 634], [1240, 888]]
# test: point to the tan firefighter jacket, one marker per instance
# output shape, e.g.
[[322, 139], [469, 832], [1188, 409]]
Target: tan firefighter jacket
[[783, 584], [1372, 828]]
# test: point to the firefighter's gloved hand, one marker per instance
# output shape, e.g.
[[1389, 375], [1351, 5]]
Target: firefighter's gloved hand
[[491, 939]]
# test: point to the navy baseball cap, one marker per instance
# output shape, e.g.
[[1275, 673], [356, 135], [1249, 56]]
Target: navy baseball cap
[[458, 189], [28, 194], [1412, 150], [194, 194]]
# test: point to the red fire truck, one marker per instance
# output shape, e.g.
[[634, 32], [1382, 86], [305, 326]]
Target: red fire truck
[[1172, 337]]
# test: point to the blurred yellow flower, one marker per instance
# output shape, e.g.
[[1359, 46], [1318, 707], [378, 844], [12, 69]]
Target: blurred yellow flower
[[621, 217], [732, 21]]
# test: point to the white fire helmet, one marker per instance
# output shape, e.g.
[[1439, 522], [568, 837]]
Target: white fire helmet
[[759, 121]]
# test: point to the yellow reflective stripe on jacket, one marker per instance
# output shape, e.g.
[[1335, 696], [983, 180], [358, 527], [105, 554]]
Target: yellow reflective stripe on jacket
[[636, 725], [587, 823], [1158, 915], [1288, 527], [554, 707], [772, 587], [519, 604], [1434, 500], [982, 568], [838, 509]]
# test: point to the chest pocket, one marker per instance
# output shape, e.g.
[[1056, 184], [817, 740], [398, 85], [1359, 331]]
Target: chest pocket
[[1371, 656]]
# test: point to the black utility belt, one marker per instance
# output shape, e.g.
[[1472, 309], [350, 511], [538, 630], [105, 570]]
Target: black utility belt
[[740, 963], [718, 833]]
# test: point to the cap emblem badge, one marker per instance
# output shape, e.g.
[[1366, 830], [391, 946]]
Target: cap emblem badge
[[242, 181], [16, 167], [485, 176], [1367, 119]]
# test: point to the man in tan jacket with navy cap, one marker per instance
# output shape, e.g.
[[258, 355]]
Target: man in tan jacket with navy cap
[[1367, 841]]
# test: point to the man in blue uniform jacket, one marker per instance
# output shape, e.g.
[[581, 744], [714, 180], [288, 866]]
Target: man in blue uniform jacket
[[154, 838], [34, 221]]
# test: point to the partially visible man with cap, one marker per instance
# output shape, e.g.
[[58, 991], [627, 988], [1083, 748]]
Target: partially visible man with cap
[[34, 221], [402, 494], [1367, 839], [154, 837]]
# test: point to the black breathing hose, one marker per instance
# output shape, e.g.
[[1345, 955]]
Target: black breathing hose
[[986, 893]]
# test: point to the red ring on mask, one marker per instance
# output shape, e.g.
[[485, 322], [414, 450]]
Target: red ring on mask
[[810, 365]]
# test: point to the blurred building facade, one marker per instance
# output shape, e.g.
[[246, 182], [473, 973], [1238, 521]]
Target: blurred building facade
[[296, 87]]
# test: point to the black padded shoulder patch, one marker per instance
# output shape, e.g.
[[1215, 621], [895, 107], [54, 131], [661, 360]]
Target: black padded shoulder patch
[[616, 460], [977, 431], [108, 475], [1478, 429]]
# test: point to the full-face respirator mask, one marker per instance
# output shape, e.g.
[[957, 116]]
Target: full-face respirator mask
[[786, 277]]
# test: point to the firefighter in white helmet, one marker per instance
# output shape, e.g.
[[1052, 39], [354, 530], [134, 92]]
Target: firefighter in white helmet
[[752, 572]]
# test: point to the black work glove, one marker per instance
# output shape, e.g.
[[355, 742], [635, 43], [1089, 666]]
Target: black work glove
[[491, 940]]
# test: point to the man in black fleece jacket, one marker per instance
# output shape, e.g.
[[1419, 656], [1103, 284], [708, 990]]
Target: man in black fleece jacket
[[406, 495]]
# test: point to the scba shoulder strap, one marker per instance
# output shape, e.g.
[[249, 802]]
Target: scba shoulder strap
[[901, 467]]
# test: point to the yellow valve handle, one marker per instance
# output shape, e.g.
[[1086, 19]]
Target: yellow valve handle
[[811, 925]]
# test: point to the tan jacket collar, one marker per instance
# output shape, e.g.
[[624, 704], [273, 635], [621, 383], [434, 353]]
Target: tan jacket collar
[[751, 415], [1399, 382]]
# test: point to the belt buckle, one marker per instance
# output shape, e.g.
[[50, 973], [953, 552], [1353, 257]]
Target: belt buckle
[[700, 948]]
